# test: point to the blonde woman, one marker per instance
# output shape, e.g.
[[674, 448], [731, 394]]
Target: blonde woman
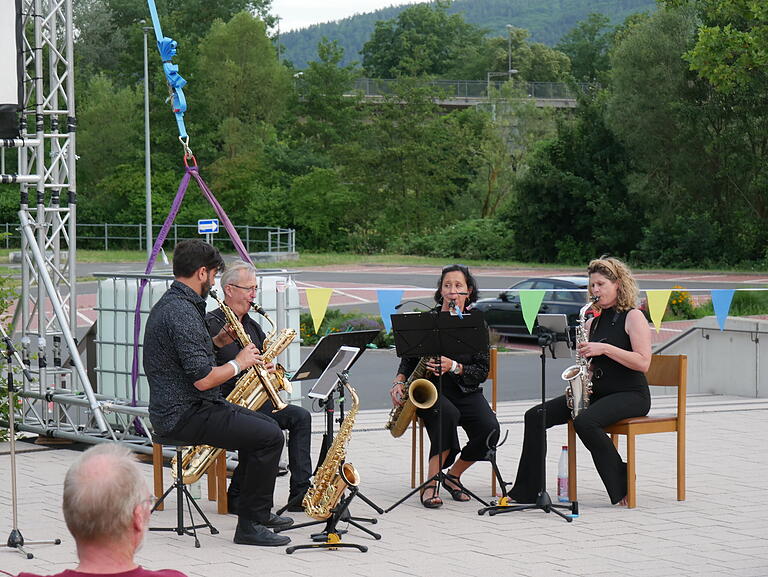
[[619, 350]]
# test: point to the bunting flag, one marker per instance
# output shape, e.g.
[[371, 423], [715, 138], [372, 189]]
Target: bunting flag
[[317, 300], [657, 305], [721, 301], [530, 301], [388, 299]]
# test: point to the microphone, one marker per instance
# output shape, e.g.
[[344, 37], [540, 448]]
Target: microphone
[[456, 311], [402, 304]]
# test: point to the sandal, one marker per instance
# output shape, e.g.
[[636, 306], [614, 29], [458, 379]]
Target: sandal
[[457, 493], [434, 501]]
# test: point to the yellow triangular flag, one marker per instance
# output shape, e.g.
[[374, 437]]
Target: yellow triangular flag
[[317, 300], [657, 304]]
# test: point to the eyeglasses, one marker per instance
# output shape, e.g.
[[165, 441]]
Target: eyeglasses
[[250, 289]]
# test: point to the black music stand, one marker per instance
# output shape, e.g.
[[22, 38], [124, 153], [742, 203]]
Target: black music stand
[[553, 337], [436, 333]]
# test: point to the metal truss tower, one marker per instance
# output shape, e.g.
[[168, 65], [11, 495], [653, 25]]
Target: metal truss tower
[[46, 314]]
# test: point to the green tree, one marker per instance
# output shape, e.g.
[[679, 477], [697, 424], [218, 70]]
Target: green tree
[[109, 136], [327, 112], [423, 39], [587, 46], [573, 203], [515, 125]]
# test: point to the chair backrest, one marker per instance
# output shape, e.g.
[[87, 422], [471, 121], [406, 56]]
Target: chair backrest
[[670, 371]]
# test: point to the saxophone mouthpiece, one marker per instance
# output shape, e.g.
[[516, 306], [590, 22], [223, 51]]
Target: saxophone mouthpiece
[[258, 309]]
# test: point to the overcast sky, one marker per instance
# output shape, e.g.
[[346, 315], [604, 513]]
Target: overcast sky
[[301, 13]]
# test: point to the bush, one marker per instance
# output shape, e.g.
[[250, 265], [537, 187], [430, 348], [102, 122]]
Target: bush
[[336, 321], [473, 239]]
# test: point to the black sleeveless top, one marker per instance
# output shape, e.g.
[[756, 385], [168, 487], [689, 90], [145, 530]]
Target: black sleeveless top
[[609, 376]]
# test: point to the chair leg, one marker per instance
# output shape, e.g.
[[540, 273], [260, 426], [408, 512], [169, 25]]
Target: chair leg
[[413, 454], [221, 484], [571, 462], [421, 452], [157, 472], [210, 475], [631, 474], [681, 465]]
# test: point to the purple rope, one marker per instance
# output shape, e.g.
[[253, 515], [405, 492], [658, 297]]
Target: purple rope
[[191, 172]]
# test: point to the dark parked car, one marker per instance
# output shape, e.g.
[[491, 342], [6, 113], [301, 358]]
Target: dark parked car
[[505, 315]]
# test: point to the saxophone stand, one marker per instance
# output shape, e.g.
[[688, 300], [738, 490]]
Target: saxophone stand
[[15, 539], [548, 339], [330, 537], [435, 334]]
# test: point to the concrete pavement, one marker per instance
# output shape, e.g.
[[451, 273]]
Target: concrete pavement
[[719, 530]]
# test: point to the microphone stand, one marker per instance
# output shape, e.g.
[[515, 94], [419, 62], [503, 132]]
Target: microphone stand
[[546, 340], [16, 539]]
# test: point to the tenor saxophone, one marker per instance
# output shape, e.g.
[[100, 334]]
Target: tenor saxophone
[[334, 475], [419, 393], [252, 390], [579, 388]]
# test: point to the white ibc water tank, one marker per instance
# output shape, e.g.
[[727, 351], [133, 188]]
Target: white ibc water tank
[[116, 303]]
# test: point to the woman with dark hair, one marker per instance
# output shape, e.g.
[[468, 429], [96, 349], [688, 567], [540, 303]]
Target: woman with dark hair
[[619, 352], [461, 401]]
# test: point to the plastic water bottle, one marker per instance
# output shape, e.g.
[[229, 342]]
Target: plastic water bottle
[[195, 489], [562, 476]]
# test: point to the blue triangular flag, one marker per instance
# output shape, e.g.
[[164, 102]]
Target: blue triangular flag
[[388, 299], [721, 302]]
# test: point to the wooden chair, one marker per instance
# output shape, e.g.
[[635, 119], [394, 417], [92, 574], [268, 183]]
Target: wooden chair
[[665, 371], [216, 473], [417, 429]]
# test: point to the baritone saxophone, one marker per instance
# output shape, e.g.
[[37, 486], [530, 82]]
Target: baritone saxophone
[[255, 387], [334, 475]]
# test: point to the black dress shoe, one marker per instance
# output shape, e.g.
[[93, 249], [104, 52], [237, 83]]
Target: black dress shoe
[[251, 533], [277, 522]]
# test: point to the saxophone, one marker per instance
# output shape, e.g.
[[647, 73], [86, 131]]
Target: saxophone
[[334, 475], [579, 377], [252, 390], [419, 393]]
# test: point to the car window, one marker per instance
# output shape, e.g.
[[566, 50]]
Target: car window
[[514, 295]]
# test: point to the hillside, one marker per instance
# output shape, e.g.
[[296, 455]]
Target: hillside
[[547, 20]]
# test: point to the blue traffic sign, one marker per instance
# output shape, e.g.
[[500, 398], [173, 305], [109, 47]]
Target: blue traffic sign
[[208, 226]]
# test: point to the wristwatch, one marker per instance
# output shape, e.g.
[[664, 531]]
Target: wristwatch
[[455, 368]]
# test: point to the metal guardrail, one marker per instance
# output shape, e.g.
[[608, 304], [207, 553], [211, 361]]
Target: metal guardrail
[[104, 236], [476, 89]]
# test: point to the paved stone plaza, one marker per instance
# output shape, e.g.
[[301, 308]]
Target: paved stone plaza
[[721, 529]]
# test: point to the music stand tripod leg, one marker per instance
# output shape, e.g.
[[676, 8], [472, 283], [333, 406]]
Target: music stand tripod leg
[[15, 538]]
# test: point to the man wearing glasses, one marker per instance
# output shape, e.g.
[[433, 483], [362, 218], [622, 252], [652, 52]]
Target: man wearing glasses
[[239, 287], [185, 402]]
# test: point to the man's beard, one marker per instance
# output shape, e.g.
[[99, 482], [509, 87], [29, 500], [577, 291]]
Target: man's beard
[[205, 289]]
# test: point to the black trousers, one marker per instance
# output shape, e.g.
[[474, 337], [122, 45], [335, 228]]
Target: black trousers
[[298, 422], [589, 425], [468, 411], [257, 438]]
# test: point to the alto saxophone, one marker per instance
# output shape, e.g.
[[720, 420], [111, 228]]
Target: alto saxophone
[[334, 475], [252, 390], [579, 387], [419, 393]]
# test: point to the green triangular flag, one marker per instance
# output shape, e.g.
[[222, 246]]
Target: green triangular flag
[[530, 300]]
